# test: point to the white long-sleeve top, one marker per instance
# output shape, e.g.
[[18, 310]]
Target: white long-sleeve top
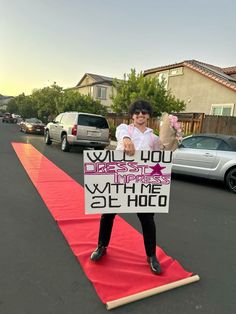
[[146, 140]]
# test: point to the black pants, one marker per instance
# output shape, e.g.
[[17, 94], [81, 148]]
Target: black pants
[[148, 227]]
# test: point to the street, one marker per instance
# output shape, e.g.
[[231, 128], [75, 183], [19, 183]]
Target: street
[[40, 275]]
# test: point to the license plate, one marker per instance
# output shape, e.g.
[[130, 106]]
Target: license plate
[[94, 134], [38, 130]]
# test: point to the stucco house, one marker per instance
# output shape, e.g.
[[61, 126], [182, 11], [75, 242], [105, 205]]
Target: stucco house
[[99, 87], [203, 87], [4, 100]]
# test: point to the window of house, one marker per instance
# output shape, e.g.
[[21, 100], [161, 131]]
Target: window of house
[[176, 71], [222, 109], [101, 92], [163, 78]]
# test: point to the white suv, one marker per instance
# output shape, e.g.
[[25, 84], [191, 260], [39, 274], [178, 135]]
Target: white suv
[[78, 129]]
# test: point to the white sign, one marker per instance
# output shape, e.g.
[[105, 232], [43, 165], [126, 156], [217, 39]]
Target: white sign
[[117, 183]]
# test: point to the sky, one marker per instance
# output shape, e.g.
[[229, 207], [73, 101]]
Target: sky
[[49, 41]]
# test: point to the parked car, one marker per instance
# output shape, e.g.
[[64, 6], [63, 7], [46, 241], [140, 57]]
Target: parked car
[[32, 125], [210, 156], [7, 117], [78, 129], [17, 118]]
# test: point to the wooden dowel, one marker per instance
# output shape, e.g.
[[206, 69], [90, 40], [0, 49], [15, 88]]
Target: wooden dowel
[[147, 293]]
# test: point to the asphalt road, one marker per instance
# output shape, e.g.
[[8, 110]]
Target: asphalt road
[[40, 275]]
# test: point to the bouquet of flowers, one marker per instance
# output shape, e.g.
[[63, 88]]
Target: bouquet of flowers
[[170, 132]]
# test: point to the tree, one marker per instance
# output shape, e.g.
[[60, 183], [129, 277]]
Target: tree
[[47, 100], [23, 105], [137, 86], [73, 101], [12, 106], [50, 101]]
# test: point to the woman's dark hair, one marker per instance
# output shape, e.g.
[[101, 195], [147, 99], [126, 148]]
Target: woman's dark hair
[[140, 104]]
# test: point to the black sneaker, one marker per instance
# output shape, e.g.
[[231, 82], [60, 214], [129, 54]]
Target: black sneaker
[[98, 253], [154, 264]]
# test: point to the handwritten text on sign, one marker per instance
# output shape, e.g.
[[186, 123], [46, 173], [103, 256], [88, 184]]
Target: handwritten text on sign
[[117, 183]]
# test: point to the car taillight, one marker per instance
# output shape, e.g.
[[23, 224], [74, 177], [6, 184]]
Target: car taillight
[[74, 130]]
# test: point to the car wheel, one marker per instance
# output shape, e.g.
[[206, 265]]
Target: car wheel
[[230, 180], [47, 138], [65, 146]]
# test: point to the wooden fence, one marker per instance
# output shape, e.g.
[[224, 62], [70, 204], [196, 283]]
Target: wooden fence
[[219, 125], [192, 123]]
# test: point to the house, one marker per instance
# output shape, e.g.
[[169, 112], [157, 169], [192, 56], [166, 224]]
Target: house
[[4, 100], [203, 87], [99, 87]]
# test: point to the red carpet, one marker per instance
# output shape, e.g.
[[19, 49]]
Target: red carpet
[[118, 274]]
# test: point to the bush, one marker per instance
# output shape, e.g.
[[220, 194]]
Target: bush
[[155, 131], [113, 132]]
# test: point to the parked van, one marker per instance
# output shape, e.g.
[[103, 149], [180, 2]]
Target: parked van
[[78, 129]]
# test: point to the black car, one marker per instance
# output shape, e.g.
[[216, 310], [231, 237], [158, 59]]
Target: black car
[[32, 125]]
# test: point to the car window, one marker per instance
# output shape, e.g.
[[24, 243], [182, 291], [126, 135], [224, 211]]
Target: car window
[[224, 146], [190, 142], [202, 143], [94, 121], [33, 120]]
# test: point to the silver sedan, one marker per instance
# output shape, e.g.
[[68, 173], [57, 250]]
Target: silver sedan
[[210, 156]]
